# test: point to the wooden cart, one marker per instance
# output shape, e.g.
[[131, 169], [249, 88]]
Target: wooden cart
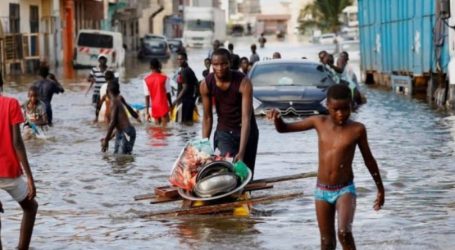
[[164, 194]]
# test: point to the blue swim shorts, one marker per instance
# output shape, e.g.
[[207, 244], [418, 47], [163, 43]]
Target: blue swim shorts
[[331, 193]]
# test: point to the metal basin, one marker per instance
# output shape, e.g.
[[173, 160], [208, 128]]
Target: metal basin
[[216, 184], [215, 168], [237, 191]]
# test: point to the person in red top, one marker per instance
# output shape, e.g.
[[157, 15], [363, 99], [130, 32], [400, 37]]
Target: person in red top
[[12, 157], [157, 89]]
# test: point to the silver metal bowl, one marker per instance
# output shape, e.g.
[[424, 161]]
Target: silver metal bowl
[[237, 191], [215, 167], [216, 184]]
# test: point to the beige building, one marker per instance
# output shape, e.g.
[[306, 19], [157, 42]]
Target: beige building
[[159, 16], [158, 19], [145, 22], [30, 33]]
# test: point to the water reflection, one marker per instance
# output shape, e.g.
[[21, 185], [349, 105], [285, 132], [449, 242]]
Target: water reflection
[[120, 163], [229, 233], [158, 135], [449, 123]]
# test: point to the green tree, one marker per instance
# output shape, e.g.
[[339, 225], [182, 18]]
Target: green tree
[[323, 14]]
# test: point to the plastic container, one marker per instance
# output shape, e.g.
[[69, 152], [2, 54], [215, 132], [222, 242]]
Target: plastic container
[[241, 170], [203, 145]]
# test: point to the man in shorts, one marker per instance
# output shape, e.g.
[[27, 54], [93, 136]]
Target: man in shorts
[[13, 164]]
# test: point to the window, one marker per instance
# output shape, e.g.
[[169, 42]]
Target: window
[[95, 40], [34, 19], [199, 25], [14, 18]]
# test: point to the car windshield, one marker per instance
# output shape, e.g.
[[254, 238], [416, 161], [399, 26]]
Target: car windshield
[[290, 74], [155, 42], [199, 25], [147, 37], [95, 40]]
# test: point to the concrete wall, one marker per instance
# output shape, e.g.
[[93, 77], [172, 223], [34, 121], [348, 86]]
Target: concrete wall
[[144, 21], [158, 20]]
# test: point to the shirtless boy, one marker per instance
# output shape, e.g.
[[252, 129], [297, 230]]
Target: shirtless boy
[[335, 191], [125, 132]]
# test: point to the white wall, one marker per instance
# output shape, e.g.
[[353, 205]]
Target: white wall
[[54, 38], [4, 13], [24, 13], [202, 3]]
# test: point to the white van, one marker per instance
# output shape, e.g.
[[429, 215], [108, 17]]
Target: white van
[[91, 43]]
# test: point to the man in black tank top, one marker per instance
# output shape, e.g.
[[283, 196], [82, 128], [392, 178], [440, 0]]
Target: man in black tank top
[[187, 83], [236, 134]]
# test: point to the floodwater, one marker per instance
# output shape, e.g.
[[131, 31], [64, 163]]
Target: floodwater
[[86, 197]]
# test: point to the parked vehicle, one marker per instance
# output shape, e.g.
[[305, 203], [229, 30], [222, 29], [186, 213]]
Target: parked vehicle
[[176, 45], [410, 49], [203, 25], [91, 43], [296, 87], [237, 30], [327, 38], [153, 46]]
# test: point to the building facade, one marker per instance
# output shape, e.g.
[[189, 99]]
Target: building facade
[[34, 30], [28, 33]]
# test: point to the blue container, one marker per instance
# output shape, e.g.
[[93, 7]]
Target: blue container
[[397, 37]]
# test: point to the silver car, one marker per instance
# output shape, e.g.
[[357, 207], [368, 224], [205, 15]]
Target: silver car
[[296, 87]]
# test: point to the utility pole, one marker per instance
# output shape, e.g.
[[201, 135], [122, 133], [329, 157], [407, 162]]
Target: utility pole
[[68, 32]]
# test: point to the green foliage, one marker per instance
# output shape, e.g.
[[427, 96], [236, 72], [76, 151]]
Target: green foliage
[[323, 14]]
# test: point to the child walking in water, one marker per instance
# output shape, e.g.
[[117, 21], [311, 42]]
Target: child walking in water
[[34, 112], [335, 191], [34, 109], [125, 132]]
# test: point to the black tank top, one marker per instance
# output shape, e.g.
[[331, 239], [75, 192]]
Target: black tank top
[[228, 103]]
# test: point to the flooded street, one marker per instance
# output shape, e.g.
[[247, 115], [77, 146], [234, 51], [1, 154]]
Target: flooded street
[[86, 197]]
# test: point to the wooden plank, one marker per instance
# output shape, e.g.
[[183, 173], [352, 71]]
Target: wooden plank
[[158, 200], [258, 186], [140, 197], [268, 180], [221, 207], [166, 191]]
